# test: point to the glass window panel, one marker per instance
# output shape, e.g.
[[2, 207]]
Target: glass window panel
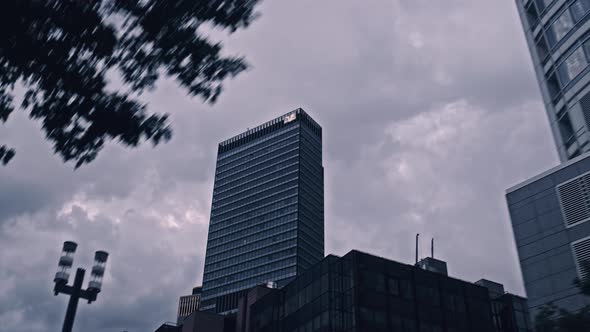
[[543, 4], [573, 66], [580, 8], [562, 25]]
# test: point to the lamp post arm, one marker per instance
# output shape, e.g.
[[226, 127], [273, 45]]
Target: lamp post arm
[[73, 303]]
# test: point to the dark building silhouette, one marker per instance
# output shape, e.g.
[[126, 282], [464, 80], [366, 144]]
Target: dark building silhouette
[[361, 292], [201, 321], [188, 304], [510, 312], [267, 214]]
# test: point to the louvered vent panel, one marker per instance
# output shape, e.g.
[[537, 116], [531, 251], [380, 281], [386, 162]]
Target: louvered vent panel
[[582, 257], [585, 104], [575, 201]]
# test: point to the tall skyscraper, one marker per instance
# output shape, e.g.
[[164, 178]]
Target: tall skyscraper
[[267, 214], [558, 35], [550, 212]]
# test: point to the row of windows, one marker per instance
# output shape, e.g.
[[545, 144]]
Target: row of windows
[[254, 281], [313, 169], [317, 173], [260, 155], [251, 192], [312, 224], [239, 240], [253, 204], [566, 21], [255, 212], [211, 265], [313, 184], [311, 198], [533, 11], [253, 233], [230, 252], [307, 294], [242, 271], [314, 236], [227, 228], [574, 64], [251, 228], [312, 150], [306, 242], [241, 178], [313, 135], [305, 253], [255, 167], [311, 219], [269, 255], [225, 155], [257, 145]]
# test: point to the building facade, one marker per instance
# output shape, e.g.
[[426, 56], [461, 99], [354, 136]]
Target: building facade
[[188, 304], [267, 214], [550, 214], [510, 312], [359, 292], [558, 36]]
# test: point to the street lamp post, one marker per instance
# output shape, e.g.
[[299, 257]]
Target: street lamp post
[[75, 291]]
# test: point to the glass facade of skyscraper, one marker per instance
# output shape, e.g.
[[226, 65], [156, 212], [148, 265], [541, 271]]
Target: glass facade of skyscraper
[[558, 35], [267, 214], [550, 216]]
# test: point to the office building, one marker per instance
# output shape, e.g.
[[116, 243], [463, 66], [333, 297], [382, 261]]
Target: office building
[[510, 312], [549, 215], [558, 36], [267, 214], [188, 304], [201, 321], [360, 292]]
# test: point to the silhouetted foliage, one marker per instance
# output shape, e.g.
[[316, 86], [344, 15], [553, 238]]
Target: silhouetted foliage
[[63, 51], [551, 318]]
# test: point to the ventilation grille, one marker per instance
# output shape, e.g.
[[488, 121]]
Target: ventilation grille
[[581, 250], [585, 104], [575, 200]]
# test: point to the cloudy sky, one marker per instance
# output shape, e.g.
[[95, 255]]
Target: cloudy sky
[[430, 111]]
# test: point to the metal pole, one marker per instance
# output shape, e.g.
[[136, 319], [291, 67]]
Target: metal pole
[[73, 303], [417, 236]]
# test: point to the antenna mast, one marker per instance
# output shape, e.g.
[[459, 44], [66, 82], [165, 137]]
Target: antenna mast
[[432, 248], [417, 236]]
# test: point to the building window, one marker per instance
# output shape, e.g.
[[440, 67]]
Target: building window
[[567, 130], [553, 87], [542, 49], [580, 8], [532, 15], [573, 66], [562, 25], [581, 251]]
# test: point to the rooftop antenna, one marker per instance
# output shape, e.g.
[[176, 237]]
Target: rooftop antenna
[[417, 236], [432, 248]]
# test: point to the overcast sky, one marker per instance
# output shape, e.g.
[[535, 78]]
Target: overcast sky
[[429, 110]]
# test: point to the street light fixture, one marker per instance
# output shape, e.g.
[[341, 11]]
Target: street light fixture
[[75, 291]]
